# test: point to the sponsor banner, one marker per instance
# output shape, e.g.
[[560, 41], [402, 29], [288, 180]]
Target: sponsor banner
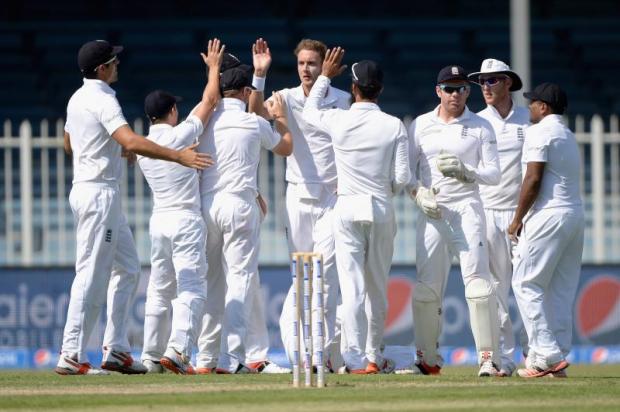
[[33, 306]]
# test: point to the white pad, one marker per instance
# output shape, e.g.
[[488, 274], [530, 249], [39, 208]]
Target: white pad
[[426, 322], [483, 317]]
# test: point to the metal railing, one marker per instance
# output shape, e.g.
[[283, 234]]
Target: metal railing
[[36, 225]]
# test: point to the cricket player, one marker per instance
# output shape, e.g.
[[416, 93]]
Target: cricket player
[[96, 133], [232, 215], [453, 151], [177, 230], [509, 122], [371, 155], [311, 179], [549, 226]]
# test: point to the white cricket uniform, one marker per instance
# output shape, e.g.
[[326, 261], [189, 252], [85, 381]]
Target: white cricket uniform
[[178, 241], [310, 199], [461, 229], [371, 154], [500, 203], [106, 257], [228, 189], [548, 261]]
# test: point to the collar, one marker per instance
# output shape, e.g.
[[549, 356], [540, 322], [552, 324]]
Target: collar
[[100, 84], [159, 126], [464, 116], [552, 118], [364, 106], [498, 116], [231, 103], [329, 98]]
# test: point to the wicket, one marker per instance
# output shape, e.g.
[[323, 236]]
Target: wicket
[[308, 266]]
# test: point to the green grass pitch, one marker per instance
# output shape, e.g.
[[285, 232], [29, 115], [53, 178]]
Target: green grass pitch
[[592, 388]]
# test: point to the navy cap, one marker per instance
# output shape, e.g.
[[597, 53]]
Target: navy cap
[[452, 73], [158, 103], [96, 52], [236, 78], [367, 73], [229, 61], [549, 93]]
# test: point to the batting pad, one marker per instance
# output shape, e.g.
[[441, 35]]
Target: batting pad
[[426, 322], [484, 320]]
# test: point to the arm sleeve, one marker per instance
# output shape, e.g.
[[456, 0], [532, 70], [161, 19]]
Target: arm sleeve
[[402, 173], [268, 137], [322, 119], [537, 148], [111, 115], [413, 158], [488, 171], [188, 131]]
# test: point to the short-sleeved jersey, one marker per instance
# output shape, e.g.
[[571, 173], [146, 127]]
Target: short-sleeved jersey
[[551, 142], [93, 115], [174, 186], [510, 133], [234, 139]]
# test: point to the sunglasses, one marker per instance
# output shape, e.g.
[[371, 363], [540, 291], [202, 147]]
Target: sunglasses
[[491, 81], [452, 89]]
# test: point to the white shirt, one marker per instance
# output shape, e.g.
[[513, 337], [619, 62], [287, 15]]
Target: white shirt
[[509, 132], [174, 187], [234, 139], [312, 162], [469, 137], [93, 114], [550, 141], [371, 149]]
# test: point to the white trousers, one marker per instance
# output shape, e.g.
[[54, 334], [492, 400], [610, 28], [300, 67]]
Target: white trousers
[[106, 261], [545, 279], [364, 253], [177, 282], [459, 232], [309, 229], [500, 264], [233, 224]]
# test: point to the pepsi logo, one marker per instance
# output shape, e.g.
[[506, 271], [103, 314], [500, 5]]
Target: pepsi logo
[[42, 358], [459, 356], [600, 355], [399, 316], [598, 310]]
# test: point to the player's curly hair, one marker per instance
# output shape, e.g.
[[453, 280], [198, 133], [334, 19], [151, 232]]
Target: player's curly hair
[[314, 45]]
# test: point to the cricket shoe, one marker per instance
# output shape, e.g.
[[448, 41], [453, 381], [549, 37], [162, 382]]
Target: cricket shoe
[[387, 366], [345, 370], [177, 362], [205, 371], [153, 366], [558, 374], [487, 369], [268, 367], [68, 365], [538, 369], [506, 370], [121, 362]]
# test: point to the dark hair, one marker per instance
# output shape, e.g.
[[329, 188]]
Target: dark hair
[[556, 109], [91, 74], [369, 92]]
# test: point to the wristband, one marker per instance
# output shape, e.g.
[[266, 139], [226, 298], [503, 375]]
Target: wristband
[[258, 83]]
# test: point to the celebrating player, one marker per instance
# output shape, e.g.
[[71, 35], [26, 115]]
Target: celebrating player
[[96, 132], [452, 151], [177, 230], [548, 225], [371, 155], [310, 174], [509, 122]]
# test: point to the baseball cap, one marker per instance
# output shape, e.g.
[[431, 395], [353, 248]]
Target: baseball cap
[[158, 103], [367, 73], [236, 78], [96, 52], [499, 67], [451, 73], [229, 61], [550, 93]]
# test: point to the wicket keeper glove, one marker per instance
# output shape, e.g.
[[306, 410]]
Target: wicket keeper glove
[[451, 166], [425, 199]]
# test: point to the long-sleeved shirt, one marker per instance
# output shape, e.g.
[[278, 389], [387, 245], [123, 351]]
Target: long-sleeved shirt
[[370, 148], [469, 137]]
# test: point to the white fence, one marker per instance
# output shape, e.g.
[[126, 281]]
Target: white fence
[[36, 225]]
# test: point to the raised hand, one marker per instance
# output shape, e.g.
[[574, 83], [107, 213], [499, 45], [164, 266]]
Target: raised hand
[[331, 63], [276, 107], [215, 54], [261, 57]]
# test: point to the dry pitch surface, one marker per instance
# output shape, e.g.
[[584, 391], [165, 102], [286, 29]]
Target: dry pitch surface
[[593, 388]]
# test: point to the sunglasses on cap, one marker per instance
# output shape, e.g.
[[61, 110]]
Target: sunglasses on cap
[[451, 89], [491, 81]]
